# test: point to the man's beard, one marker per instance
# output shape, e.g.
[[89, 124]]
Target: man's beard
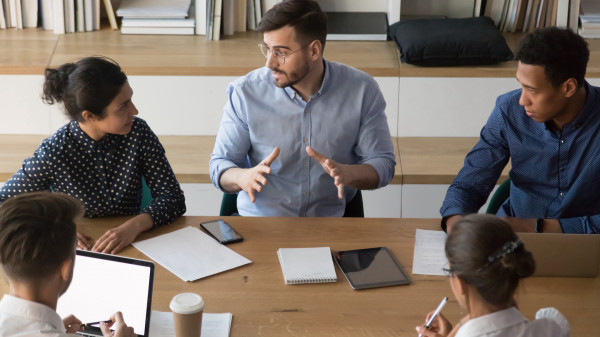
[[292, 78]]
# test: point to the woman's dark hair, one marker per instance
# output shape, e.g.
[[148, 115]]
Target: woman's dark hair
[[470, 245], [562, 53], [306, 16], [89, 84], [37, 234]]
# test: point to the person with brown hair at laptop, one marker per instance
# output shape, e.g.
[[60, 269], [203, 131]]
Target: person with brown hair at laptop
[[37, 252]]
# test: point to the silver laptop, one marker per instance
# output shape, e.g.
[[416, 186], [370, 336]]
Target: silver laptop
[[104, 284], [564, 255]]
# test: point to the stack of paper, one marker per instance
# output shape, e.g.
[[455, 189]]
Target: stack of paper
[[197, 255], [173, 17], [429, 257]]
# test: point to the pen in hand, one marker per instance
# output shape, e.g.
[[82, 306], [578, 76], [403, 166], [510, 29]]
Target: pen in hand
[[96, 323], [435, 313], [90, 324]]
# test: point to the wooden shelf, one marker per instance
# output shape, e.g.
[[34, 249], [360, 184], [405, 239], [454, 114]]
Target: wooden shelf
[[29, 51]]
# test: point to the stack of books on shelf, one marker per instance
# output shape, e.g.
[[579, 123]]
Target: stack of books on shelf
[[212, 18], [590, 19], [225, 17], [60, 16], [527, 15], [173, 17]]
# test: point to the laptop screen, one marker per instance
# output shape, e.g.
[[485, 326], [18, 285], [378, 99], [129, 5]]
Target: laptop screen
[[104, 284]]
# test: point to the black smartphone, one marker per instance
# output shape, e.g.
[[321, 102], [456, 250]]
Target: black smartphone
[[221, 231]]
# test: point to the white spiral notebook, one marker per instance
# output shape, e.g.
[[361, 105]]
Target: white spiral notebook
[[307, 265]]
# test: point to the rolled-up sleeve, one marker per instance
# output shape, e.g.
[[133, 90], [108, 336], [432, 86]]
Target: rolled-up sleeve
[[233, 140], [374, 144]]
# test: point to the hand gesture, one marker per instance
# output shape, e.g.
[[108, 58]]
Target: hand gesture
[[331, 167], [122, 330], [253, 179]]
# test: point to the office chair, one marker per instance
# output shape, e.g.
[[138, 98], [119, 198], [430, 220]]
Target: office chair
[[146, 195], [499, 197]]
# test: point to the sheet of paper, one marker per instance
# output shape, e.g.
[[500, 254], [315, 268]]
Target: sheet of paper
[[429, 257], [213, 325], [190, 254]]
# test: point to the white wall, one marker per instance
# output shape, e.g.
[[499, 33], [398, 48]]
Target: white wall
[[425, 200], [447, 107]]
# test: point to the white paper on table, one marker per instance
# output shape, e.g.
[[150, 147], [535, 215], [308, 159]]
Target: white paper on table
[[429, 257], [190, 254], [213, 325]]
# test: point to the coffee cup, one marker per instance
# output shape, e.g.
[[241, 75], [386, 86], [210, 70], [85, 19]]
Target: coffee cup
[[187, 311]]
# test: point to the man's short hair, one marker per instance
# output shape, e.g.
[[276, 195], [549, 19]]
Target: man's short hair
[[37, 234], [306, 16], [562, 53]]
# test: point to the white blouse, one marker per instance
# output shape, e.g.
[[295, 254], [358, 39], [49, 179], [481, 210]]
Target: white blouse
[[510, 322]]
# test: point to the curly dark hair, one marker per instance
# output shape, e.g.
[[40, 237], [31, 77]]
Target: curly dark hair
[[562, 53]]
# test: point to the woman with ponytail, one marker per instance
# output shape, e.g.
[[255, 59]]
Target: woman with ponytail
[[101, 155], [486, 261]]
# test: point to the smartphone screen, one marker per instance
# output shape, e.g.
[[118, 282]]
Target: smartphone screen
[[221, 231]]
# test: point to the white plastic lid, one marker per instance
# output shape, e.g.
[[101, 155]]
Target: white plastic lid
[[187, 303]]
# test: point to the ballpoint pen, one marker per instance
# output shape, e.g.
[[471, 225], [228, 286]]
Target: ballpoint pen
[[435, 313], [90, 324]]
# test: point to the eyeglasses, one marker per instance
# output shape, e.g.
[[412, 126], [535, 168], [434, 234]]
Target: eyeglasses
[[278, 53], [447, 270]]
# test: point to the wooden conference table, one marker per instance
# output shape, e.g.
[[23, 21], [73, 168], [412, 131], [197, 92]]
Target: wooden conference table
[[262, 305]]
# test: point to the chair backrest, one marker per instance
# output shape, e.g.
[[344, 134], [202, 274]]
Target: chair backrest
[[354, 209], [146, 195], [499, 197]]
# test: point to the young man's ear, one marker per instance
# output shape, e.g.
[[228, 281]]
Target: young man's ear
[[569, 87], [65, 269]]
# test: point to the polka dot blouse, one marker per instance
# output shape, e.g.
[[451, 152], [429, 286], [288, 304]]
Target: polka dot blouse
[[105, 175]]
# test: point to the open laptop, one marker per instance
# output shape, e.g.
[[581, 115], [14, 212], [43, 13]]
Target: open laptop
[[104, 284], [564, 255]]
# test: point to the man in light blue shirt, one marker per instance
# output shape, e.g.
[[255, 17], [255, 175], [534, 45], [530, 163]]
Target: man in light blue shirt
[[300, 136]]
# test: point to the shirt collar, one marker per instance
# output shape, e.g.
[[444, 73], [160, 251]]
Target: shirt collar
[[292, 93], [13, 305], [489, 323], [87, 143], [587, 111]]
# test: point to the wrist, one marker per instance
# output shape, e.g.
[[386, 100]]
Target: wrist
[[140, 223]]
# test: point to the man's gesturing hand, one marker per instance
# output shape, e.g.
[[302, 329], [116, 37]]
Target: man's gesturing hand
[[333, 168], [253, 179]]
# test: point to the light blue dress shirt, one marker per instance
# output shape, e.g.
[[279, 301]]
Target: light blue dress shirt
[[344, 120]]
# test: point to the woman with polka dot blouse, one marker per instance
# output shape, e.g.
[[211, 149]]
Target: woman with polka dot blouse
[[101, 155]]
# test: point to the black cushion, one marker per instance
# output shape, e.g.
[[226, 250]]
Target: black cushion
[[450, 42]]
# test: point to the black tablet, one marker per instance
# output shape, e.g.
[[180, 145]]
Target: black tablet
[[370, 268]]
